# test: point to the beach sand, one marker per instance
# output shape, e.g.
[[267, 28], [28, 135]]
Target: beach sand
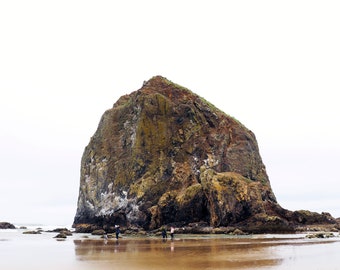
[[42, 251]]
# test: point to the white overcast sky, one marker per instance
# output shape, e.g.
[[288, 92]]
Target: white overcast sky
[[273, 65]]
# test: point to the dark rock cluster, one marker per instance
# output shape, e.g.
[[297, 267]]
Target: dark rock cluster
[[6, 225]]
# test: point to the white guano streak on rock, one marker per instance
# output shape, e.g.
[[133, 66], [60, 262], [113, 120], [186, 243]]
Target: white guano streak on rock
[[110, 202]]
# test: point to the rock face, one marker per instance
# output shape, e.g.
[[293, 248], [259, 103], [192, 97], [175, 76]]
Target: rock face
[[163, 155]]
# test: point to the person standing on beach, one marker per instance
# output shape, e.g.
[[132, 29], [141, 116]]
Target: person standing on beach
[[164, 234], [117, 231], [172, 231]]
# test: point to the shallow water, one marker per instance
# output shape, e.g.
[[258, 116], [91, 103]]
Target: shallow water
[[19, 251]]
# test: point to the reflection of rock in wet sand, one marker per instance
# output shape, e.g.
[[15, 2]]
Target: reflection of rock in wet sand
[[178, 254]]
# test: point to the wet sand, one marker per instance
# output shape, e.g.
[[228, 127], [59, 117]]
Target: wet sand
[[18, 251]]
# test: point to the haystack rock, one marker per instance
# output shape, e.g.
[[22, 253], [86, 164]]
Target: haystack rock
[[165, 156]]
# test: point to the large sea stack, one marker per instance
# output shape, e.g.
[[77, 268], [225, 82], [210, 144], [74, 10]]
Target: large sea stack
[[165, 156]]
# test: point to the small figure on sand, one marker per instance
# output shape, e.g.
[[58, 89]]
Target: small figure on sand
[[117, 231], [172, 231], [164, 234]]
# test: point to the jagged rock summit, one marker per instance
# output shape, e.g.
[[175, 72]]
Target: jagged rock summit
[[163, 155]]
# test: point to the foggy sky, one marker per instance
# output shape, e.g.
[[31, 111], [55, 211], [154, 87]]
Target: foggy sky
[[273, 65]]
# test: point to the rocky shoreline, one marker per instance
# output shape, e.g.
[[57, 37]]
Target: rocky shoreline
[[200, 228], [204, 228]]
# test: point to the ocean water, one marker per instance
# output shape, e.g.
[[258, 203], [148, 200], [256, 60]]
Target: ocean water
[[80, 251]]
